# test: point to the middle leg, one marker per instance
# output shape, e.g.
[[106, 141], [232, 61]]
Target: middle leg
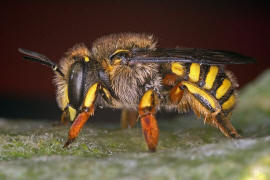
[[147, 109], [128, 118]]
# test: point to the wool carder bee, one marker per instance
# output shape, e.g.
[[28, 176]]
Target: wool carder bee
[[128, 71]]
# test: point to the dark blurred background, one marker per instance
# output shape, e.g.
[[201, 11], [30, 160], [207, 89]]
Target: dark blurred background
[[51, 27]]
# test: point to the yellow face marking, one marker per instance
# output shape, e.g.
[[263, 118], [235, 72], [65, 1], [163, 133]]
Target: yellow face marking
[[65, 99], [72, 113], [86, 59], [146, 100], [91, 95], [177, 69], [221, 91], [229, 103], [211, 76], [194, 72], [196, 90]]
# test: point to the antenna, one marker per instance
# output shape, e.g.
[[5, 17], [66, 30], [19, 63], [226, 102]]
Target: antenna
[[40, 58]]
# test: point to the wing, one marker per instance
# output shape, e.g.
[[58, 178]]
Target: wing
[[189, 55]]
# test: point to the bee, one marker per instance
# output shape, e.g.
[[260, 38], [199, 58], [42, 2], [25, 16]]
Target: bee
[[129, 71]]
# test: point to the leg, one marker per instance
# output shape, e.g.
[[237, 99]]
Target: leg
[[68, 114], [225, 126], [204, 104], [128, 118], [86, 111], [148, 121], [176, 94], [65, 117]]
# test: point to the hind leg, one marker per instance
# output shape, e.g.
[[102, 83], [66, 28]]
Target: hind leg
[[205, 105], [225, 126], [215, 118]]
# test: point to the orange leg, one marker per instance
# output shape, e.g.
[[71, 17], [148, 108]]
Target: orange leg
[[176, 94], [82, 117], [128, 118], [77, 126], [148, 120]]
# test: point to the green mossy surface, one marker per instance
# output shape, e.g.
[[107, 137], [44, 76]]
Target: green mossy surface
[[187, 149]]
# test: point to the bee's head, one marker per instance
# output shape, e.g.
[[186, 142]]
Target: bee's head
[[78, 69], [72, 75]]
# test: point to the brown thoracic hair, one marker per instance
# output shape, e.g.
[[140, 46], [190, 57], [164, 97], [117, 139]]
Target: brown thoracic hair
[[124, 80]]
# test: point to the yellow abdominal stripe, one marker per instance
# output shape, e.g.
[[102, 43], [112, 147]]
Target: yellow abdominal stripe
[[210, 77], [146, 100], [194, 72], [177, 68], [229, 103], [221, 91], [196, 90], [91, 95]]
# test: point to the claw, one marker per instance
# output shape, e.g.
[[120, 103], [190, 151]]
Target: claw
[[69, 141]]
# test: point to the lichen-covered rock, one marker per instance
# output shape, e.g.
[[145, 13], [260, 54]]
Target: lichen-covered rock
[[188, 149]]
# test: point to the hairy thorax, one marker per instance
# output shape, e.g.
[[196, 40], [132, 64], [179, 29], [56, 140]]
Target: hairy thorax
[[127, 82], [130, 82]]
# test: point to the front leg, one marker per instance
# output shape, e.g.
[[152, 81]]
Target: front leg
[[86, 111], [147, 109]]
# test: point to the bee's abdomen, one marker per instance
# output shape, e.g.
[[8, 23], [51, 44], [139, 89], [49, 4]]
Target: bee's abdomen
[[209, 83], [221, 86], [214, 80]]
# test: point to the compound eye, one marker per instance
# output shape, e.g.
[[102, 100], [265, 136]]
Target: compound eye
[[120, 56], [76, 84]]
